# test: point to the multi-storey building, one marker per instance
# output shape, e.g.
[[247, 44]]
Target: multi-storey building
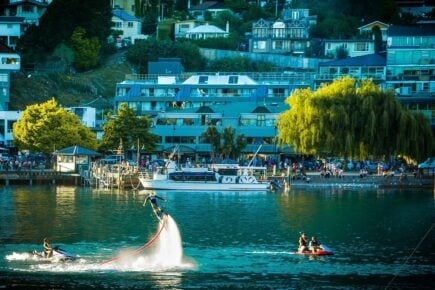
[[411, 67], [361, 67], [353, 47], [9, 62], [130, 27], [287, 35], [183, 106], [30, 10], [10, 30]]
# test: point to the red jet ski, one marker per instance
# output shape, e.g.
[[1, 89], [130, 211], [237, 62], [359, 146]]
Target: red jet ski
[[323, 251]]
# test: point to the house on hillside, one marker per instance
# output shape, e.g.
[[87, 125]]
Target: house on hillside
[[130, 27], [207, 31], [368, 29], [10, 30], [289, 34], [353, 47], [9, 61], [30, 10], [182, 27], [213, 7], [126, 5]]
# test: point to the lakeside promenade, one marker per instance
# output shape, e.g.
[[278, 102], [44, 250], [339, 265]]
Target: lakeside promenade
[[353, 179], [313, 179]]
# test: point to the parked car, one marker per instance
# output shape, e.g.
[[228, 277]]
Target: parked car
[[428, 163]]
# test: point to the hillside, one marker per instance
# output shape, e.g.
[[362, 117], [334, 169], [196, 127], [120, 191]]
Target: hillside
[[70, 89]]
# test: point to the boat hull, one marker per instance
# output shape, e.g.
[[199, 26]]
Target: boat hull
[[202, 186]]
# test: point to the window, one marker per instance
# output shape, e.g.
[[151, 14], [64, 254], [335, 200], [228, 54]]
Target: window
[[27, 9], [278, 45], [10, 125], [233, 79], [361, 46], [3, 78], [118, 24], [203, 79], [130, 24], [10, 60], [261, 120]]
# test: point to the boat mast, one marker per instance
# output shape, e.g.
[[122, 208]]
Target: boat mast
[[255, 155]]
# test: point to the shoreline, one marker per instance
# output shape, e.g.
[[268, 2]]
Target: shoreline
[[313, 179]]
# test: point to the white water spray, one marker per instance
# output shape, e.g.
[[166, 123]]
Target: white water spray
[[169, 248]]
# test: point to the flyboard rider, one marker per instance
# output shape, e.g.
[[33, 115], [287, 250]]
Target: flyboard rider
[[152, 198]]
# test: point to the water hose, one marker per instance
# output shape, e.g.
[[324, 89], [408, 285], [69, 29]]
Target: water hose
[[140, 249]]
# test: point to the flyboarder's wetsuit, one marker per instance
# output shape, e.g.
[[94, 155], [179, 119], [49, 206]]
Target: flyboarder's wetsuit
[[156, 208]]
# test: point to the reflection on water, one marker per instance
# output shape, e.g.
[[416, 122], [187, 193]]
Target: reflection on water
[[229, 239]]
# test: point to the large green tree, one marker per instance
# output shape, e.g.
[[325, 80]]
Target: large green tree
[[129, 129], [353, 119], [86, 50], [47, 127]]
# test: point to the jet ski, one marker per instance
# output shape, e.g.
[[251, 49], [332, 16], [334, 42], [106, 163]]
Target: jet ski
[[58, 255], [323, 251]]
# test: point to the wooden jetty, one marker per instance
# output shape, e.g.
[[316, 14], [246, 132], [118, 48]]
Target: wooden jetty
[[97, 176]]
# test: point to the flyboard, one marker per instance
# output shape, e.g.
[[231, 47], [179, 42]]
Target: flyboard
[[140, 249], [323, 251]]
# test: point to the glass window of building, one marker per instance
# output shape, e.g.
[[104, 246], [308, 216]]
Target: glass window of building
[[261, 118]]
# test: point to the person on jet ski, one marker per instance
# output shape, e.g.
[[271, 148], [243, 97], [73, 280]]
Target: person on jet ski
[[48, 249], [303, 243], [314, 244], [152, 198]]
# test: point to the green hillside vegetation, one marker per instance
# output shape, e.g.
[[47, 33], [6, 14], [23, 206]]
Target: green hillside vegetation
[[69, 89]]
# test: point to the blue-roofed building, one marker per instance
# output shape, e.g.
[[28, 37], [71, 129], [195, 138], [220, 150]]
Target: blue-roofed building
[[370, 66], [165, 66], [129, 26], [183, 106]]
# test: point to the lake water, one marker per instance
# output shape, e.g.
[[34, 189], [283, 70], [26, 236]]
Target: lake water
[[380, 238]]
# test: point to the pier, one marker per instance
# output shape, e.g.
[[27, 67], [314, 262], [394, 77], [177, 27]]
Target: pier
[[38, 176]]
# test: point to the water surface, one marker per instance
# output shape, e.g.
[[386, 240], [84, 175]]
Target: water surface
[[381, 238]]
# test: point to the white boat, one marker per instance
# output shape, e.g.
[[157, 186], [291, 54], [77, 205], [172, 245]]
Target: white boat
[[216, 177]]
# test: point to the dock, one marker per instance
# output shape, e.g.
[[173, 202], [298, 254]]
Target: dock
[[38, 177]]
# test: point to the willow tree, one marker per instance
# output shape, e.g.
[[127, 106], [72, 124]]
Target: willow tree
[[129, 129], [353, 119], [47, 127]]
